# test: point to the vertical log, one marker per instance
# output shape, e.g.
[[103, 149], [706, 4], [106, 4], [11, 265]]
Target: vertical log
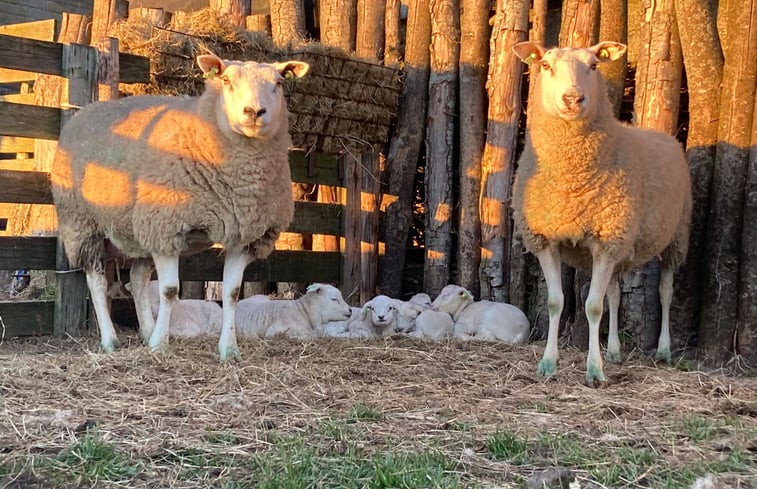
[[703, 60], [236, 10], [370, 28], [474, 53], [338, 20], [440, 143], [352, 229], [658, 87], [70, 313], [613, 26], [107, 68], [287, 21], [258, 23], [155, 16], [503, 85], [579, 23], [405, 144], [104, 13], [720, 299], [393, 42]]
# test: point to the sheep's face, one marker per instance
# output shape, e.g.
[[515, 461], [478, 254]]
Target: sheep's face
[[451, 299], [382, 310], [330, 302], [407, 313], [421, 299], [252, 95], [568, 76]]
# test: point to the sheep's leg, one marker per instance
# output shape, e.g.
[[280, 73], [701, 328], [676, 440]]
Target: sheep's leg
[[613, 302], [98, 287], [233, 269], [666, 297], [601, 273], [139, 275], [168, 285], [549, 259]]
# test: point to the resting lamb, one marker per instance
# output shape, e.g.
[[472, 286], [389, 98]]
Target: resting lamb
[[160, 177], [483, 320], [433, 325], [189, 317], [378, 319], [296, 318], [596, 194]]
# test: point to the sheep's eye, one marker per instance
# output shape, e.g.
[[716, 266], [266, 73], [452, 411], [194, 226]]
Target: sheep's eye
[[462, 293], [544, 65], [335, 299], [593, 66]]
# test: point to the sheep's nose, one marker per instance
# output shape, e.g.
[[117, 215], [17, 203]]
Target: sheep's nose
[[573, 100], [381, 318], [249, 111]]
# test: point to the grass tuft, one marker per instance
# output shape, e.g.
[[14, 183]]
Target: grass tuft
[[506, 445]]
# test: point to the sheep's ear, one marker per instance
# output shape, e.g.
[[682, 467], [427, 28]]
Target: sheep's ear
[[608, 51], [292, 69], [528, 51], [313, 288], [211, 65]]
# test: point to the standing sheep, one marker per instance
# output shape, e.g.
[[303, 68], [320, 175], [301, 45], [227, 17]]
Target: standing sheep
[[160, 177], [596, 194]]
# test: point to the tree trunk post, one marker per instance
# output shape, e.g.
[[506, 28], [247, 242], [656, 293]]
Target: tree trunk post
[[287, 21], [104, 13], [236, 10]]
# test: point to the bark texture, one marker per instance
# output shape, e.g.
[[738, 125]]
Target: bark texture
[[236, 10], [613, 26], [720, 299], [287, 20], [510, 26], [703, 61], [405, 145], [474, 54], [393, 48], [440, 143], [579, 23], [370, 28], [746, 337], [338, 20]]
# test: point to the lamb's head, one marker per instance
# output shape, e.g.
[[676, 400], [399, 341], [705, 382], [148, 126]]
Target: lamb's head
[[407, 312], [382, 311], [568, 77], [251, 101], [452, 299], [421, 299], [326, 300]]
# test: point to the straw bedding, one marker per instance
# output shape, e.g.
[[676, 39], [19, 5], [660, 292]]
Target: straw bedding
[[148, 404], [344, 104]]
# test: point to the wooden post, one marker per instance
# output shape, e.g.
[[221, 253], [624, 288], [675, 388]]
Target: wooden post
[[352, 230], [237, 10], [369, 212], [80, 68], [259, 23], [156, 16], [107, 68], [104, 13]]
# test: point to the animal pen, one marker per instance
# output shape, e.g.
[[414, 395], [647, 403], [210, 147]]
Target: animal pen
[[92, 72]]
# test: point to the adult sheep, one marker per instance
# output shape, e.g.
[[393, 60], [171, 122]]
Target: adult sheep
[[596, 194], [160, 177]]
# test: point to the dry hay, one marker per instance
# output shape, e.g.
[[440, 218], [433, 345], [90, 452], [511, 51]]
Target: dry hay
[[150, 405], [344, 104]]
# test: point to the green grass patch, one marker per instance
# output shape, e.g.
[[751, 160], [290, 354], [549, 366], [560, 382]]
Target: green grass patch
[[700, 428], [507, 445], [359, 412]]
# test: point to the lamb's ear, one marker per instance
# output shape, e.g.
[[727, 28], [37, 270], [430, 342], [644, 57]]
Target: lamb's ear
[[313, 288], [292, 69], [211, 65], [366, 307], [608, 50], [528, 51]]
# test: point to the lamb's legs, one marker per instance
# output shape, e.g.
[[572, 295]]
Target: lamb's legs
[[601, 273], [98, 287], [666, 297], [613, 302], [233, 269], [140, 272], [549, 259], [168, 285]]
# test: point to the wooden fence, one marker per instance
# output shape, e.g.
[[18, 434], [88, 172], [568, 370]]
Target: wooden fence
[[20, 59]]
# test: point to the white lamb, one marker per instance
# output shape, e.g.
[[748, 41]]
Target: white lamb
[[189, 317], [160, 177], [433, 325], [378, 318], [483, 320], [297, 318], [596, 194]]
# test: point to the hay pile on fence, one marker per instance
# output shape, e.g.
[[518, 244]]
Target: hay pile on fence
[[344, 104]]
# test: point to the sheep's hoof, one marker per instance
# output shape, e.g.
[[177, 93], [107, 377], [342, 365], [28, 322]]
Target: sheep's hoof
[[663, 355], [546, 367], [613, 356], [595, 377], [158, 347], [228, 353], [110, 347]]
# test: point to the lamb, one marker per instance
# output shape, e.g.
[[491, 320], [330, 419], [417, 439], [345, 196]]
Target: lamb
[[189, 317], [483, 320], [596, 194], [159, 177], [378, 318], [433, 325], [298, 318]]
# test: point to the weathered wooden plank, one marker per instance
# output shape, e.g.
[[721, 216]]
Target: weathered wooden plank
[[12, 144], [41, 30], [18, 98], [26, 318], [312, 218], [24, 164], [18, 53], [25, 187], [325, 170], [281, 266], [16, 76], [35, 253], [29, 121], [133, 68]]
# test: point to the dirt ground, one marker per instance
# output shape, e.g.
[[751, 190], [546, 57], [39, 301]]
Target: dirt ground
[[452, 396]]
